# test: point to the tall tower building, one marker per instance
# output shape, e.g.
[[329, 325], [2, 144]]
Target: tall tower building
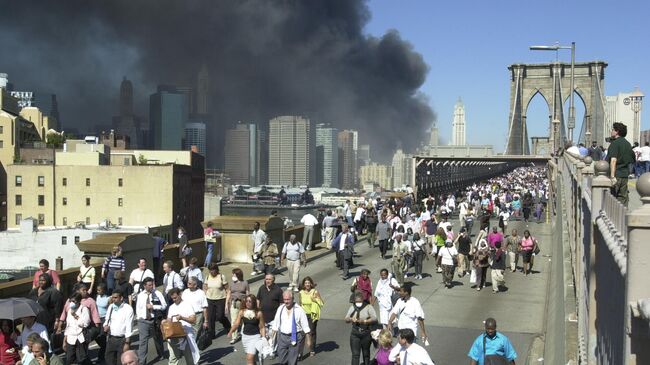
[[348, 148], [168, 116], [434, 139], [364, 155], [126, 97], [126, 123], [243, 150], [402, 169], [195, 136], [327, 156], [202, 90], [458, 125], [292, 150]]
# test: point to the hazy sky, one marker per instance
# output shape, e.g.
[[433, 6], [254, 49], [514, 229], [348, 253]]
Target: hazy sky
[[469, 44]]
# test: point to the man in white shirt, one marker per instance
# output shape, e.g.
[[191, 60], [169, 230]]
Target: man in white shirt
[[31, 326], [258, 237], [138, 275], [182, 347], [308, 234], [347, 208], [118, 328], [462, 212], [172, 279], [149, 310], [293, 255], [408, 312], [644, 158], [291, 326], [359, 218], [408, 353]]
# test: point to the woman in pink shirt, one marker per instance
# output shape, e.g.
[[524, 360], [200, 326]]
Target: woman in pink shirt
[[528, 244]]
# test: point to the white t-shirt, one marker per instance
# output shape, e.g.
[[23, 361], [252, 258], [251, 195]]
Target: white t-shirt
[[184, 309], [137, 277], [359, 214], [413, 355], [446, 254], [383, 291], [645, 153], [196, 299], [309, 220], [407, 313]]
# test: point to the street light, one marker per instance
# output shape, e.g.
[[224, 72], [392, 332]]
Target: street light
[[572, 116], [636, 97]]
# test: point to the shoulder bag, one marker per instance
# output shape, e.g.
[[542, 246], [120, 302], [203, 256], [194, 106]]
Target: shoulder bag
[[171, 329], [454, 258], [493, 359], [536, 250]]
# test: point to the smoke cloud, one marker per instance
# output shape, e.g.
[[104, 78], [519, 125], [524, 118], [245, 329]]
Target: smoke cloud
[[264, 58]]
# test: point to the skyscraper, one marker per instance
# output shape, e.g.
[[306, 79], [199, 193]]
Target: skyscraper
[[402, 169], [202, 91], [195, 136], [126, 123], [348, 147], [434, 140], [243, 150], [618, 108], [292, 149], [327, 156], [364, 154], [458, 125], [168, 115]]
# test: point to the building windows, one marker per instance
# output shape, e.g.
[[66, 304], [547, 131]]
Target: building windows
[[87, 202], [87, 220], [19, 200], [65, 221], [19, 217], [120, 182], [41, 219], [41, 181], [76, 239], [119, 202], [1, 129], [87, 181], [2, 144], [41, 200], [65, 181], [19, 180], [64, 240], [119, 221], [65, 201]]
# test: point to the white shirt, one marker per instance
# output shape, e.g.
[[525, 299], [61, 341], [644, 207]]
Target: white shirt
[[172, 280], [292, 251], [36, 328], [407, 313], [447, 253], [348, 210], [120, 320], [185, 310], [141, 304], [283, 317], [74, 327], [258, 240], [359, 214], [309, 220], [463, 208], [413, 355], [196, 299], [137, 276], [383, 291], [195, 272], [645, 153], [445, 225], [343, 242]]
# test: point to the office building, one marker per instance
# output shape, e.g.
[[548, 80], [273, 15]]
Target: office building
[[403, 173], [434, 139], [292, 150], [126, 123], [327, 156], [195, 136], [620, 108], [88, 184], [168, 113], [375, 174], [458, 125], [364, 154], [244, 155], [348, 158], [202, 91]]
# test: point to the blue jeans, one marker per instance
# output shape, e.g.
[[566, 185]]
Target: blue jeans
[[210, 249]]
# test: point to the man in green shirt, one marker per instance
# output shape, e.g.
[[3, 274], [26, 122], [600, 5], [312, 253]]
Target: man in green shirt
[[620, 156]]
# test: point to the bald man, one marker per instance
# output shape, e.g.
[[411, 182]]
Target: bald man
[[492, 344], [129, 358]]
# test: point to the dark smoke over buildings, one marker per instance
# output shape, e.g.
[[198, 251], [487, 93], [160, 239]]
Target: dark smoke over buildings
[[265, 58]]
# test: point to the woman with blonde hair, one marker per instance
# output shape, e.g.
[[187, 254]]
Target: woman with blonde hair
[[254, 328], [385, 341], [311, 302]]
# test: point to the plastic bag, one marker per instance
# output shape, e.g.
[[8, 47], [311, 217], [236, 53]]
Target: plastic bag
[[472, 276]]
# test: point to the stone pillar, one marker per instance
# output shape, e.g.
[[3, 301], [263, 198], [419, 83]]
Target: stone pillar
[[636, 283], [599, 185]]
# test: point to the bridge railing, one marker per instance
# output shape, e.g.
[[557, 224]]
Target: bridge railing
[[610, 256]]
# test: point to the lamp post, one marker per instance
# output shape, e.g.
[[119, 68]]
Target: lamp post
[[636, 97], [572, 116]]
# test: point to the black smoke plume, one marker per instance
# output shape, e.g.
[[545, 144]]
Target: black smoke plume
[[265, 58]]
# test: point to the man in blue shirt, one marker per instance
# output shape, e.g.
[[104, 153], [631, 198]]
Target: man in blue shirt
[[491, 343]]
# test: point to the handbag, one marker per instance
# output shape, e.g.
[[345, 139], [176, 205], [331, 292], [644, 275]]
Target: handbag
[[171, 329], [536, 251], [493, 359], [204, 340]]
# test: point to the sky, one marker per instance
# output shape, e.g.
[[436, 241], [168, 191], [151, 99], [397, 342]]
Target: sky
[[469, 44]]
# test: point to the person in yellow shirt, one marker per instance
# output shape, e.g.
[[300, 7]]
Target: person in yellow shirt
[[311, 302]]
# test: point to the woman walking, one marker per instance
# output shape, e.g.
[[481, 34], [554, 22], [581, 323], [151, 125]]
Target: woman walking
[[237, 291], [215, 288], [254, 328], [50, 299], [362, 316], [528, 244], [184, 249], [440, 238], [385, 341], [364, 285], [311, 302], [446, 257], [384, 292], [75, 343], [481, 262], [86, 273], [400, 251], [419, 248], [113, 264]]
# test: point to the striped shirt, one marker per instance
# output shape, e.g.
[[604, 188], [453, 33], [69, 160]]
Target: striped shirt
[[113, 263]]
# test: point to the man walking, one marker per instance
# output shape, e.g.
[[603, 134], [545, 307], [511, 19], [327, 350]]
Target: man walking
[[408, 312], [330, 230], [491, 344], [343, 245], [309, 221], [210, 236], [269, 254], [620, 156], [149, 310], [269, 298], [292, 329], [408, 352], [258, 237], [118, 328], [293, 255]]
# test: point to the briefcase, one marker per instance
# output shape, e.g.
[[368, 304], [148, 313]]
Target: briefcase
[[171, 329]]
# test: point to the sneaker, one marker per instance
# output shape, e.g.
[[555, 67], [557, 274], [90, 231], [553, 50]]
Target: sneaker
[[439, 270], [478, 289], [254, 273], [295, 289]]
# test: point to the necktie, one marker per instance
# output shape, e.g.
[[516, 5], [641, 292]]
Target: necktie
[[294, 329], [148, 302], [405, 357], [165, 282]]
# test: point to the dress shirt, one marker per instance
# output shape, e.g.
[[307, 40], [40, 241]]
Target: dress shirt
[[137, 276], [258, 239], [86, 302], [74, 327], [141, 303], [407, 313], [120, 320], [309, 220], [174, 282], [195, 272], [196, 299], [413, 355], [283, 318]]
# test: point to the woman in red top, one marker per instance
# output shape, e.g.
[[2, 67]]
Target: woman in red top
[[9, 352]]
